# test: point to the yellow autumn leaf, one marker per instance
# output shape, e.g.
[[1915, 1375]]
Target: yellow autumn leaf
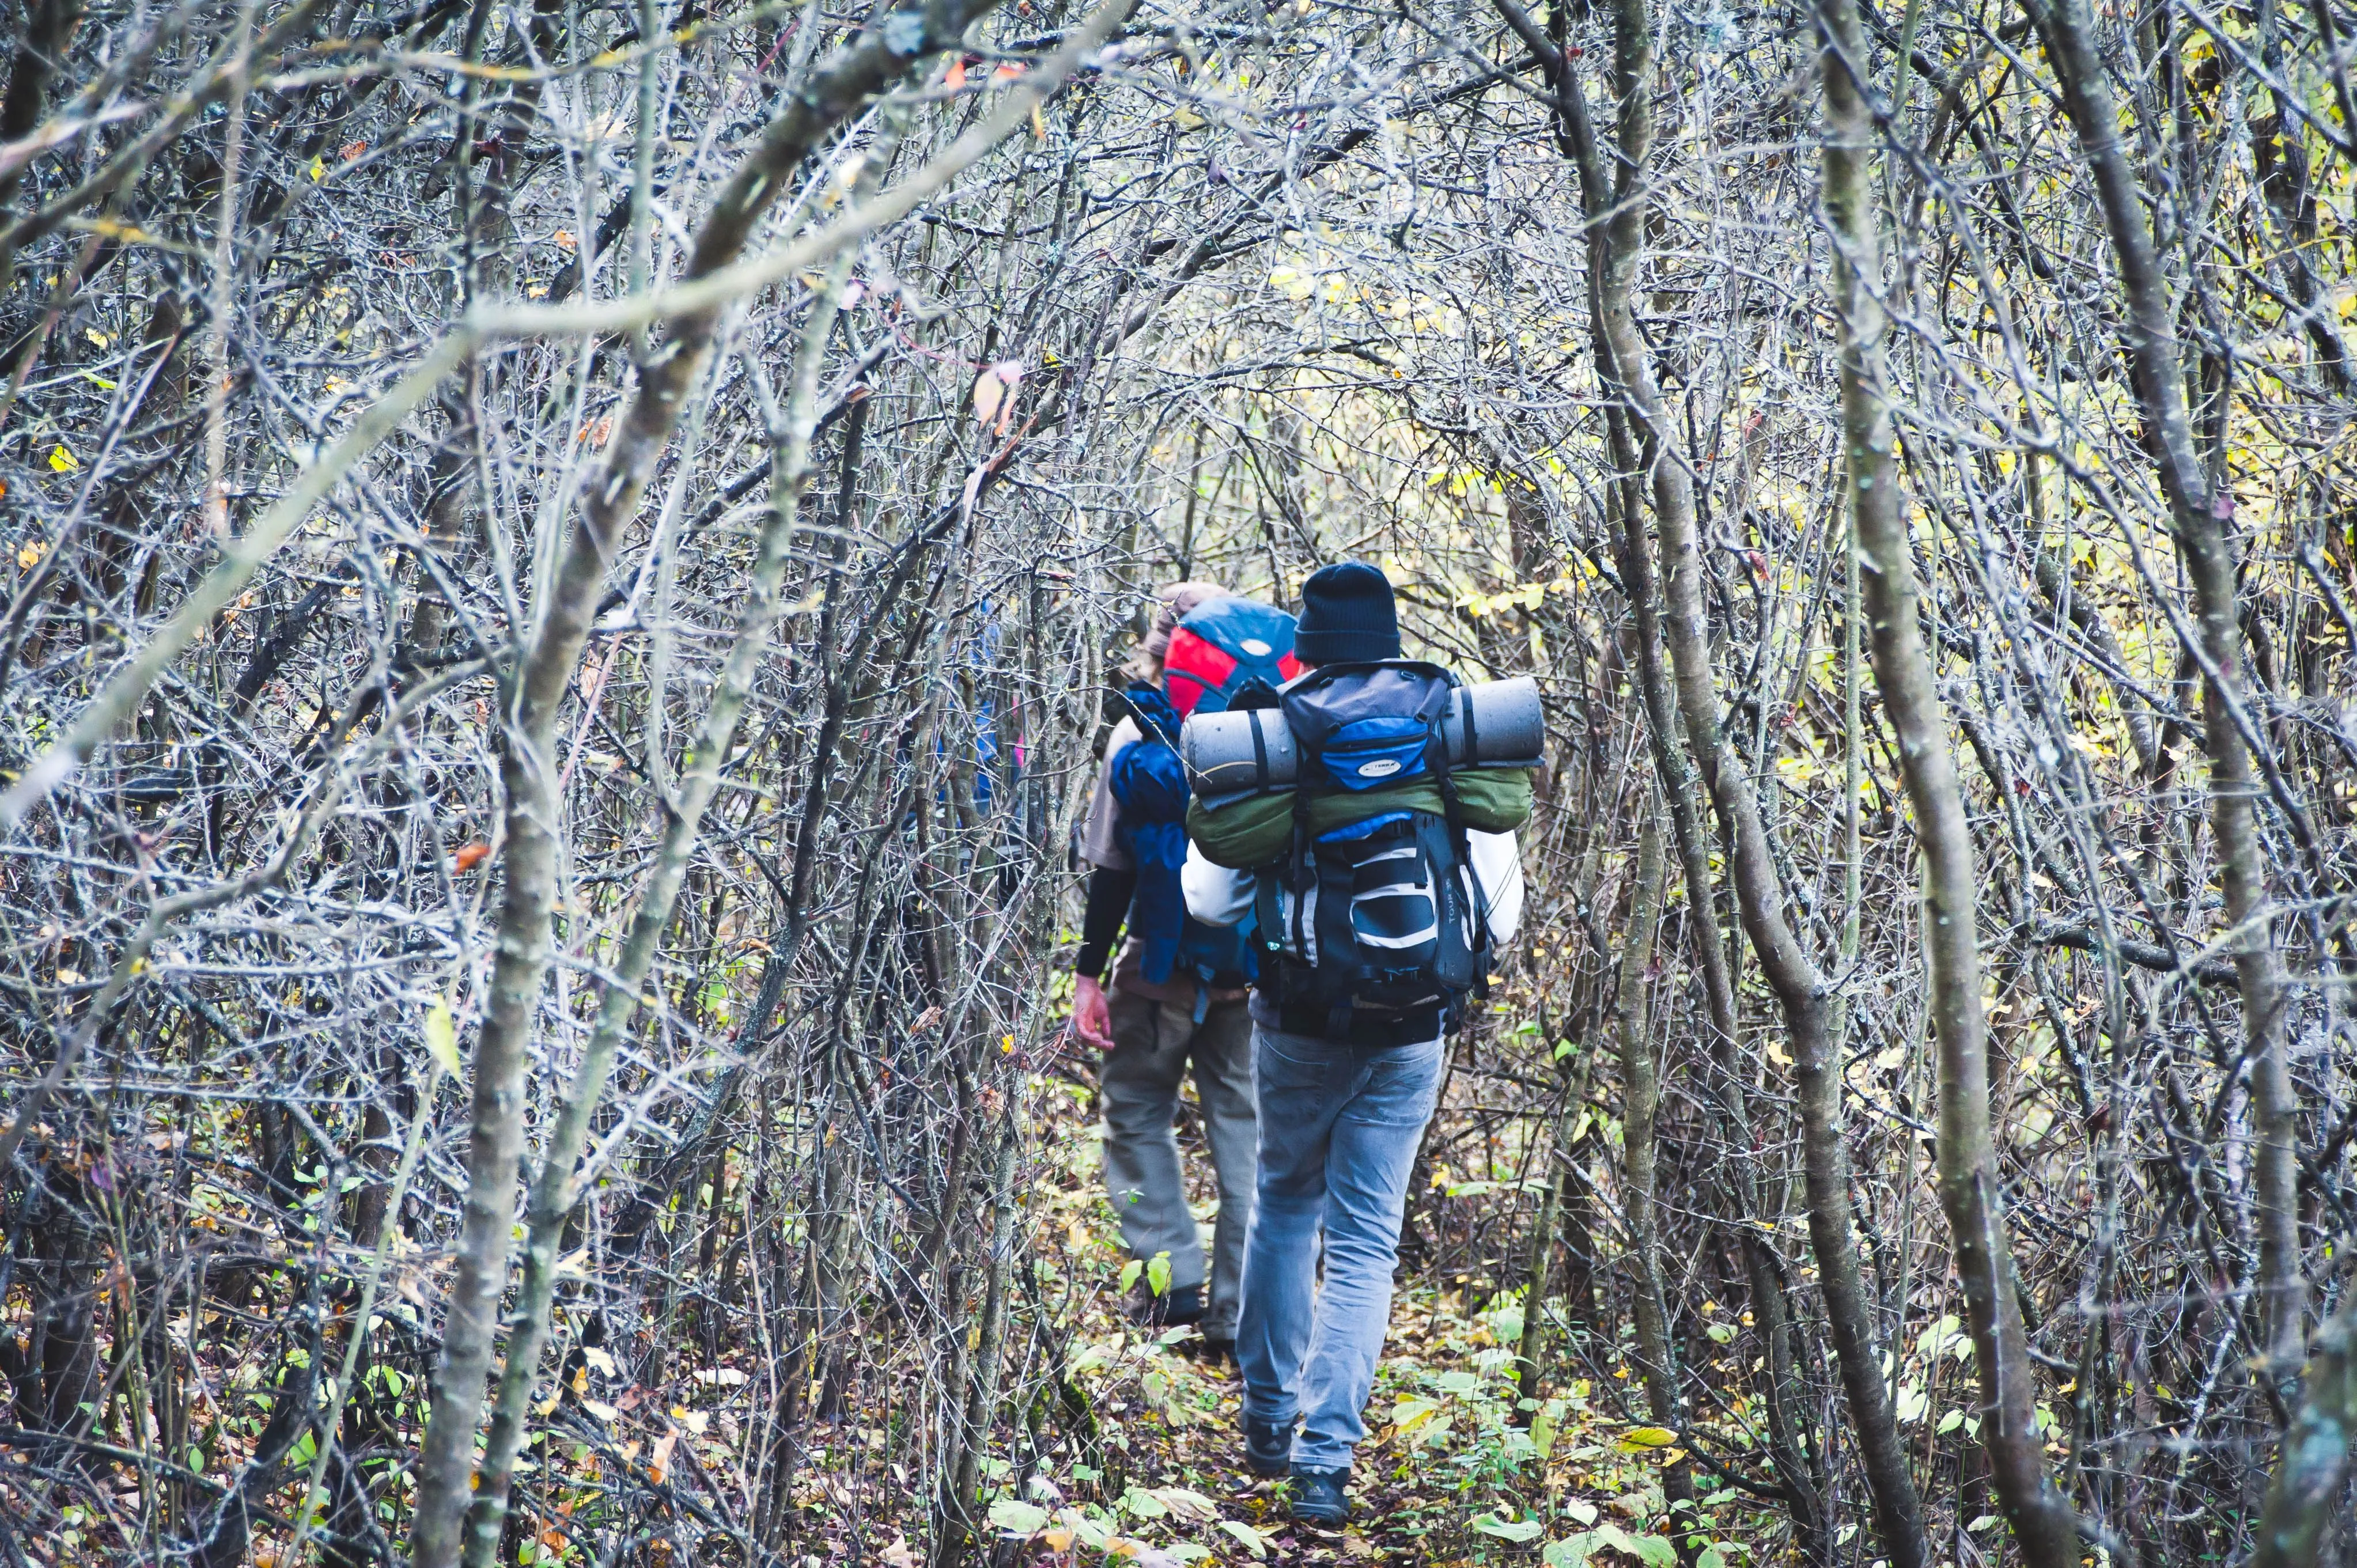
[[319, 170], [63, 461], [1637, 1439], [442, 1037]]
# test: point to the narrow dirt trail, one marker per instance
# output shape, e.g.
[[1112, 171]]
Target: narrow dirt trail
[[1454, 1471]]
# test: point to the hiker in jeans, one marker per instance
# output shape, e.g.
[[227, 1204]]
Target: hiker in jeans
[[1174, 1003], [1341, 1117]]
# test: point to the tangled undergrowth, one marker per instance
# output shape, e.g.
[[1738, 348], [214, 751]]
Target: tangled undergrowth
[[1128, 1450], [567, 568], [1459, 1466]]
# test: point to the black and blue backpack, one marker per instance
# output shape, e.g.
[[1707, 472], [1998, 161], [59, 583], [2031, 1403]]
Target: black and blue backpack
[[1372, 927]]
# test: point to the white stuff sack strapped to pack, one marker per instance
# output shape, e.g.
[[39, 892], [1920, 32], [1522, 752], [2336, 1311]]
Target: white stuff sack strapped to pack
[[1497, 723]]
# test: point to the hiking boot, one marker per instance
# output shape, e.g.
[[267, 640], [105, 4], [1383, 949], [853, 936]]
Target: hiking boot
[[1212, 1352], [1268, 1446], [1171, 1309], [1318, 1496]]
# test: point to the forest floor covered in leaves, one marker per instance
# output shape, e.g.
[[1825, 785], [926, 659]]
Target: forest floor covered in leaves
[[1458, 1468], [1112, 1443]]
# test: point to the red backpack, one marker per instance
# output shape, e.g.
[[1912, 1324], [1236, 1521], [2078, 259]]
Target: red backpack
[[1218, 646]]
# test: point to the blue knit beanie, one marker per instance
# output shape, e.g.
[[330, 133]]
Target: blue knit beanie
[[1347, 616]]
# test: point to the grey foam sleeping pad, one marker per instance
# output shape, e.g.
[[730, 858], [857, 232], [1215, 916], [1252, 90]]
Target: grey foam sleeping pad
[[1497, 723]]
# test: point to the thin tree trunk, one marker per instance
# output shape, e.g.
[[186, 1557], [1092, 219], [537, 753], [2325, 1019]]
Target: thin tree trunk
[[2311, 1480], [962, 1483], [555, 1191], [1773, 1320], [50, 27], [1559, 1225], [2042, 1521], [1615, 236], [1626, 367], [1641, 1098], [1530, 1372]]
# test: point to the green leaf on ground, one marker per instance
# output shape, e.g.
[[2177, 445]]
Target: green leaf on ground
[[1509, 1529], [1409, 1414], [1017, 1516], [1252, 1539]]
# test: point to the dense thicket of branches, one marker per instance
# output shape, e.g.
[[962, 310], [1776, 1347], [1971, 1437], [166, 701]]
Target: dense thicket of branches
[[564, 561]]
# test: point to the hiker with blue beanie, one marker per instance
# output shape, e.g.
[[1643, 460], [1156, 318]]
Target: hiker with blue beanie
[[1176, 996], [1373, 925]]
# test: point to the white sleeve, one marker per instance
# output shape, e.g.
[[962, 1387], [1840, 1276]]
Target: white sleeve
[[1219, 896], [1498, 866]]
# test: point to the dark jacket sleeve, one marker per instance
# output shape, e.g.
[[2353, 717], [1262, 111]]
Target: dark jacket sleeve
[[1110, 891]]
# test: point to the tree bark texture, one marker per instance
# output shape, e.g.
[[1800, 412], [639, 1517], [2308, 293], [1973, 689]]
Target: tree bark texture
[[2311, 1478], [1640, 1101], [2043, 1523]]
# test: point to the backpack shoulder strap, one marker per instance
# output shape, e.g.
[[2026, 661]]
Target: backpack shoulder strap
[[1477, 941]]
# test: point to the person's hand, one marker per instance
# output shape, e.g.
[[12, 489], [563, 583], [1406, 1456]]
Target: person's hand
[[1091, 1014]]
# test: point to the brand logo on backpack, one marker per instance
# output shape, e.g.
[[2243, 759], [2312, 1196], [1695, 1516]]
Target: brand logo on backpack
[[1381, 768]]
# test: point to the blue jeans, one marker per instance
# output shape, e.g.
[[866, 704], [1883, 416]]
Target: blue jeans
[[1339, 1126]]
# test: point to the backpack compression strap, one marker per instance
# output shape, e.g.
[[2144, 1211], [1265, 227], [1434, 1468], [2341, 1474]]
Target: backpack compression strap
[[1477, 941]]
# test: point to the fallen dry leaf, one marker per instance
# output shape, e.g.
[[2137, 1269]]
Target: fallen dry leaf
[[659, 1460], [994, 394]]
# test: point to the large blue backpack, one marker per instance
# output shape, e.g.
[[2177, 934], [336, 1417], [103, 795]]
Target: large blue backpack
[[1150, 784], [1219, 648], [1382, 924]]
